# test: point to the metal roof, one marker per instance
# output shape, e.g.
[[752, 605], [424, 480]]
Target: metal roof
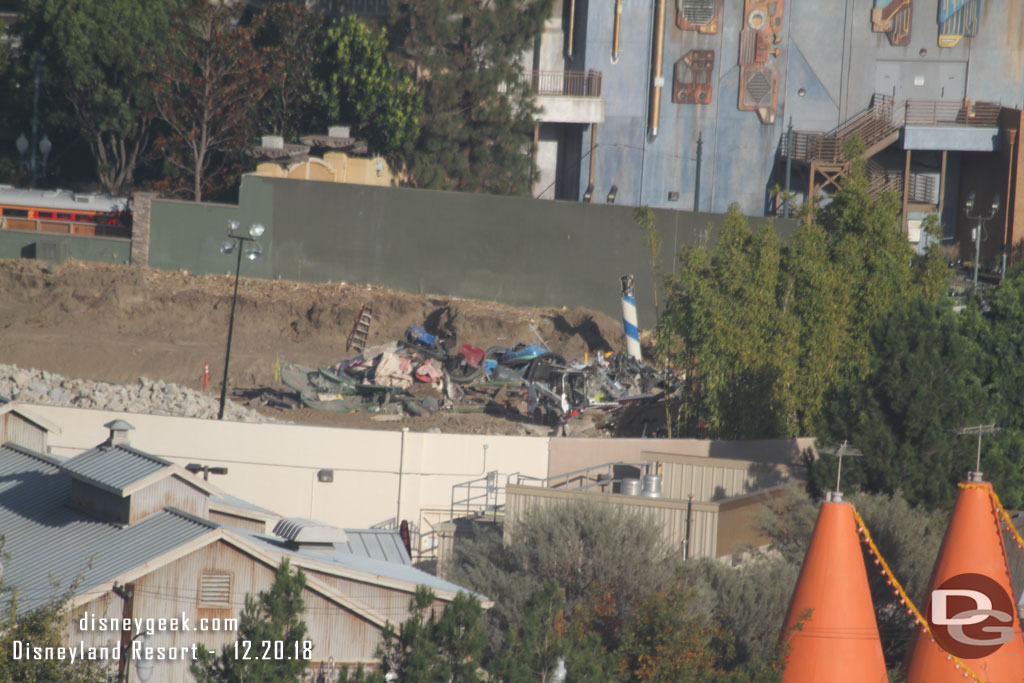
[[50, 546], [217, 496], [360, 563], [300, 530], [115, 468], [376, 544], [61, 199]]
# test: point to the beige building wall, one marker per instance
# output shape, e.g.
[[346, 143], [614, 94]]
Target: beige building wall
[[336, 167], [377, 474], [568, 455]]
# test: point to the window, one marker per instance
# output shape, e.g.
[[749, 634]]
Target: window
[[215, 589]]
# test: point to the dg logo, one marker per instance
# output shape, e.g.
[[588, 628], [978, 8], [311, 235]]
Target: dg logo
[[971, 616]]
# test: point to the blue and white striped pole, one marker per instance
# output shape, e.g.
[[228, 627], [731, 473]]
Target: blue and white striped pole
[[629, 318]]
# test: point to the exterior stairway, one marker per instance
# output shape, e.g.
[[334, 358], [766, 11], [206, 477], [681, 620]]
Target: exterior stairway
[[875, 127]]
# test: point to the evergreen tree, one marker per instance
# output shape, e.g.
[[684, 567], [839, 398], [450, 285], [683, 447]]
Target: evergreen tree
[[274, 615], [466, 59]]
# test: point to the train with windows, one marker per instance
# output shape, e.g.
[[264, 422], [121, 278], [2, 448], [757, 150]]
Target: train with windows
[[65, 212]]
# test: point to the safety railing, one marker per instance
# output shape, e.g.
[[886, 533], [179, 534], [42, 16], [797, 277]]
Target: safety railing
[[566, 83], [485, 494], [871, 126], [966, 113]]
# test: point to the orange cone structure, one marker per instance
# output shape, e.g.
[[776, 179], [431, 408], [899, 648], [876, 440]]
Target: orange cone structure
[[972, 560], [830, 628]]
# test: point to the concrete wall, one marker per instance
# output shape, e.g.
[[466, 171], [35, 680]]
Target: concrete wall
[[275, 466], [23, 244]]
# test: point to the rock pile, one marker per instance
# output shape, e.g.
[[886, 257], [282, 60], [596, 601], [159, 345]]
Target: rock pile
[[152, 397]]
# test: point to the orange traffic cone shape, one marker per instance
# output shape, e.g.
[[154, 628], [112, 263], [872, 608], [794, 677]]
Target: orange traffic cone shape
[[970, 574], [830, 628]]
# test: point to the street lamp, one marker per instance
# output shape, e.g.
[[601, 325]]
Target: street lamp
[[235, 242], [23, 145], [981, 218]]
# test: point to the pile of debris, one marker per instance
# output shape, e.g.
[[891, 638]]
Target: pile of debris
[[424, 373]]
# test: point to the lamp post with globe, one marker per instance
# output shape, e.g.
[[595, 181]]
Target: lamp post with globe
[[234, 243]]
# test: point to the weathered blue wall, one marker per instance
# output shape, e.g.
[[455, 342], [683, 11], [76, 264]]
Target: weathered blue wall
[[828, 49]]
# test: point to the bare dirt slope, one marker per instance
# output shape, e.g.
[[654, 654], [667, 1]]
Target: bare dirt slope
[[117, 323]]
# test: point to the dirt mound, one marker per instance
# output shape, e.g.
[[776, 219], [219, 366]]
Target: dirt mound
[[116, 323]]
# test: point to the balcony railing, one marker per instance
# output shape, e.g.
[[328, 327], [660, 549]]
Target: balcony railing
[[969, 113], [565, 83]]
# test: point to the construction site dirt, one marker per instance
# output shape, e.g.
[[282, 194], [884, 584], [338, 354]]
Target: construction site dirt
[[117, 322]]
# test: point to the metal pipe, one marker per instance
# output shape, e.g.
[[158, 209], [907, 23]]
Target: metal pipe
[[401, 466], [689, 517], [572, 26], [231, 329], [789, 166], [593, 153], [696, 185], [1009, 182], [629, 318], [657, 80], [615, 38]]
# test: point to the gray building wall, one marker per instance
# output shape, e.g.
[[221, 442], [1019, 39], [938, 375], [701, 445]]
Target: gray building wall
[[828, 49]]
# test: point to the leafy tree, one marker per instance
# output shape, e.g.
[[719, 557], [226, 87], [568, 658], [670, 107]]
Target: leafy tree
[[733, 343], [99, 57], [465, 58], [644, 217], [43, 627], [285, 34], [355, 83], [431, 649], [603, 558], [923, 384], [275, 615], [207, 94]]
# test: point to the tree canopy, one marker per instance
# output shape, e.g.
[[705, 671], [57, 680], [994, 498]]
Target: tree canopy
[[466, 59]]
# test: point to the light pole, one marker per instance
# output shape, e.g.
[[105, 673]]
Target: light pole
[[23, 145], [252, 252], [981, 218]]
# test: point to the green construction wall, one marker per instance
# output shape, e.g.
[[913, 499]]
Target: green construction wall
[[23, 244], [514, 250], [518, 251]]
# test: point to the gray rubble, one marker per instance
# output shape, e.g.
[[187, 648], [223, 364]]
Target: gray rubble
[[152, 397]]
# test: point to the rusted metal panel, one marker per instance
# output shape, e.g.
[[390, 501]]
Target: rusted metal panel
[[697, 15], [759, 78], [691, 77]]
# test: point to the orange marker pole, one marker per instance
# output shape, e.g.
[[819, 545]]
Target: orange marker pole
[[206, 376]]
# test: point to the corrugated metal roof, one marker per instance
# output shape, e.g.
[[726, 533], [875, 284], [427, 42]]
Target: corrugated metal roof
[[301, 530], [377, 544], [359, 563], [114, 467], [228, 499], [51, 546]]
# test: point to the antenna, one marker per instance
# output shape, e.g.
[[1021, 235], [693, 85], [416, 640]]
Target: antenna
[[979, 430], [844, 449]]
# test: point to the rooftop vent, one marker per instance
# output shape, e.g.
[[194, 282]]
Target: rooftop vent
[[303, 531], [118, 432]]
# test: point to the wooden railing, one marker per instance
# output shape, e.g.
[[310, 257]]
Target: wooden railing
[[567, 83], [968, 113]]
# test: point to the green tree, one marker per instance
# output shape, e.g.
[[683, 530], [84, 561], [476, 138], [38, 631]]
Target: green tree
[[355, 83], [644, 217], [604, 559], [723, 327], [465, 58], [207, 96], [100, 58], [431, 649], [923, 384], [274, 615], [43, 627], [285, 35]]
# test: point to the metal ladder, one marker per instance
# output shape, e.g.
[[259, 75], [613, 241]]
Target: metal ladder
[[361, 330]]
